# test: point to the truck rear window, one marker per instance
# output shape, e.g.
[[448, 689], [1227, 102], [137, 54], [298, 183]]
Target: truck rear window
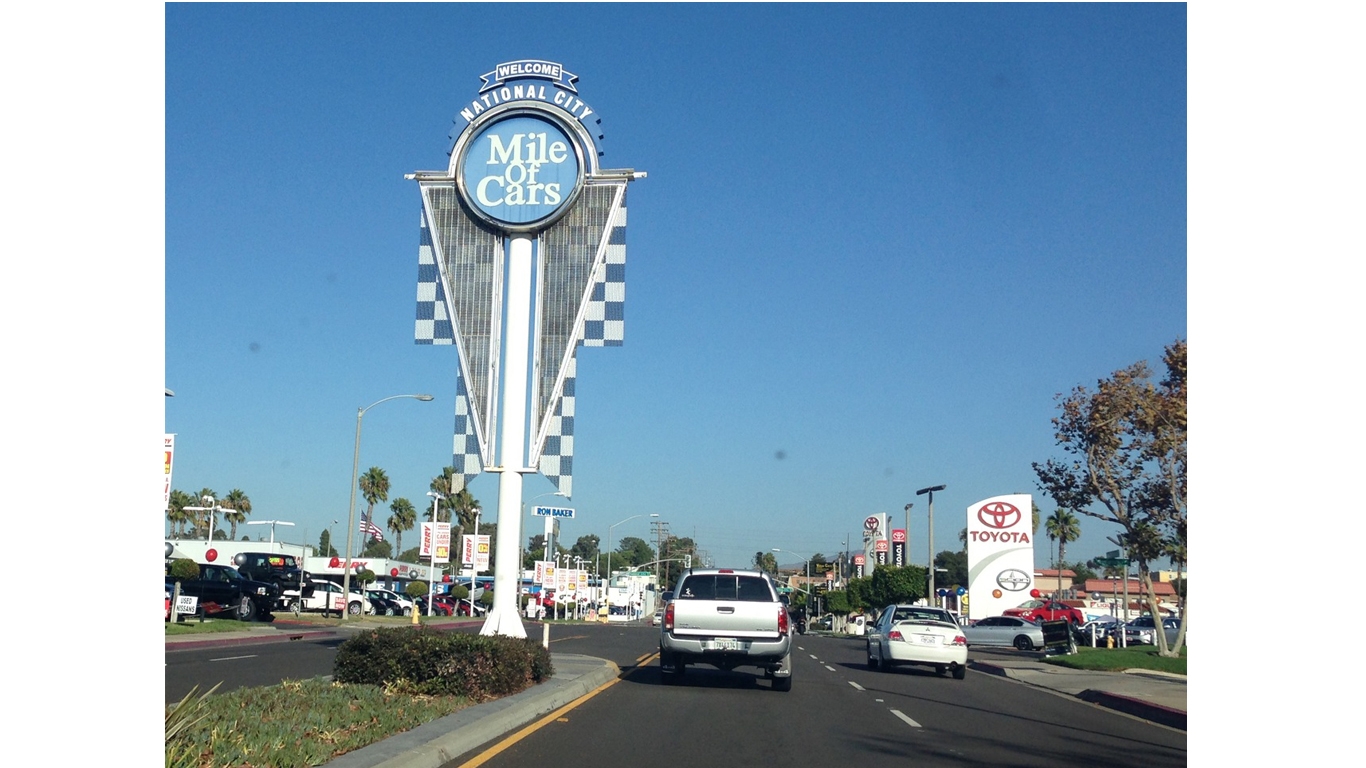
[[725, 587]]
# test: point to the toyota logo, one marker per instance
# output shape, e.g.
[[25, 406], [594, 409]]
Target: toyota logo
[[998, 514], [1012, 579]]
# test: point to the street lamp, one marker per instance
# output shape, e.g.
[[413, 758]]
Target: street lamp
[[351, 512], [808, 567], [213, 509], [608, 592], [431, 562], [272, 524], [930, 536]]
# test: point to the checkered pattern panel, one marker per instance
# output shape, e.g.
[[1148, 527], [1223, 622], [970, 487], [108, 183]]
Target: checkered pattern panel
[[557, 456], [433, 324], [605, 317], [466, 458]]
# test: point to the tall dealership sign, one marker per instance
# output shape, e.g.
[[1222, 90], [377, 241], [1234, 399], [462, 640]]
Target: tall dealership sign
[[521, 261], [1000, 554]]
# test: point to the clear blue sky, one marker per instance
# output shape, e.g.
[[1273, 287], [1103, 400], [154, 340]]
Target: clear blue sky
[[875, 241]]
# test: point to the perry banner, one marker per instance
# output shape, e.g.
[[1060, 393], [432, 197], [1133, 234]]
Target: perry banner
[[436, 542], [170, 456], [474, 550], [1000, 554]]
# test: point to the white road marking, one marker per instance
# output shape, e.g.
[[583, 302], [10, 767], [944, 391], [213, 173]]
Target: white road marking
[[827, 666], [234, 658], [856, 686], [814, 656], [908, 720]]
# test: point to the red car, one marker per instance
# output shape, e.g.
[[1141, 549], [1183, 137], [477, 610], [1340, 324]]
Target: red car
[[1046, 610]]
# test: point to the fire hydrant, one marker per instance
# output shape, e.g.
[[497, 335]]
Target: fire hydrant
[[1109, 641]]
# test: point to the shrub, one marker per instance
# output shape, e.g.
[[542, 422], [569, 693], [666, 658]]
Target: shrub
[[416, 589], [460, 592], [183, 569], [486, 599], [435, 663], [365, 577]]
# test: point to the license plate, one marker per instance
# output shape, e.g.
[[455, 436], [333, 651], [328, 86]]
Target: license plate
[[725, 644], [929, 639]]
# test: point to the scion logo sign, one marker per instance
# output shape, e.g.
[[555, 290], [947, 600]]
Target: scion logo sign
[[1012, 579]]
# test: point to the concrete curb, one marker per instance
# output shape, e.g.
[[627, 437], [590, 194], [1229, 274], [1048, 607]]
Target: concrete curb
[[270, 636], [1172, 718], [1146, 710], [441, 741]]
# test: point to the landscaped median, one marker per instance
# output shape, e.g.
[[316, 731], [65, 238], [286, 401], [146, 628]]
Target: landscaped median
[[1121, 659], [387, 681]]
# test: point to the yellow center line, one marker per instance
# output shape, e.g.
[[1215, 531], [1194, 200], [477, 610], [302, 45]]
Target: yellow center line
[[526, 731]]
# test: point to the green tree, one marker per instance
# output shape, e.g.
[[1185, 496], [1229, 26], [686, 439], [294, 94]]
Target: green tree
[[956, 565], [374, 488], [365, 578], [465, 508], [202, 520], [325, 548], [444, 484], [377, 548], [238, 506], [1082, 570], [176, 514], [891, 585], [586, 547], [1062, 527], [635, 551], [404, 518], [1126, 446]]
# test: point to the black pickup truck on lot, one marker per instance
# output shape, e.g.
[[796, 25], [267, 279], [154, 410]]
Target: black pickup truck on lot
[[220, 589], [274, 568]]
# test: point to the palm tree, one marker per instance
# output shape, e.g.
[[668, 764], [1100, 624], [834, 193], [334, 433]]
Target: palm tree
[[1062, 527], [240, 506], [374, 488], [442, 484], [199, 502], [465, 506], [176, 514], [403, 519]]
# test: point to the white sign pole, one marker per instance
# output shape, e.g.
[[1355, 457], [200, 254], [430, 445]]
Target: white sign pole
[[503, 616]]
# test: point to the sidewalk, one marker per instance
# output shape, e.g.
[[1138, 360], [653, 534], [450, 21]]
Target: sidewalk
[[1155, 696]]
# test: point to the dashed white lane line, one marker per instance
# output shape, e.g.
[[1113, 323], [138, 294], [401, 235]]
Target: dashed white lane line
[[907, 720], [857, 687], [814, 657]]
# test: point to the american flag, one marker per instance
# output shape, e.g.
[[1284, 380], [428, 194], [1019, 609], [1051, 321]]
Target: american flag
[[368, 527]]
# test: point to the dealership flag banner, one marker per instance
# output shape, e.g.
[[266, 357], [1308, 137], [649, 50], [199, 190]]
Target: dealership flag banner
[[436, 542], [1000, 554], [170, 456]]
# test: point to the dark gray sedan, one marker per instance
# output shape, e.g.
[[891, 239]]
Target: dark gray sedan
[[1008, 631]]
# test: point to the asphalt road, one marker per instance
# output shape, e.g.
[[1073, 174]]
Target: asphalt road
[[838, 711]]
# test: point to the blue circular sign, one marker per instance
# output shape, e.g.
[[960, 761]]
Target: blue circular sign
[[521, 170]]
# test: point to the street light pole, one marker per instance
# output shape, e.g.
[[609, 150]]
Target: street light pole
[[608, 592], [431, 561], [930, 491], [351, 514]]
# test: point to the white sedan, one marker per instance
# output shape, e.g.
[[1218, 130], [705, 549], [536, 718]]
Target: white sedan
[[915, 634]]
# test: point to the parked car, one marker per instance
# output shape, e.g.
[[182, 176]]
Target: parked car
[[658, 617], [913, 634], [383, 606], [1039, 611], [440, 606], [404, 605], [1007, 631], [327, 596], [1095, 631], [220, 589], [1140, 631]]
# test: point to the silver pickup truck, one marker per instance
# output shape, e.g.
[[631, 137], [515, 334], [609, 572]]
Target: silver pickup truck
[[726, 618]]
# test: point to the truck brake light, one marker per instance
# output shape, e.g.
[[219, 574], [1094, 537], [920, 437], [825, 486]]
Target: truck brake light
[[782, 620], [669, 616]]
